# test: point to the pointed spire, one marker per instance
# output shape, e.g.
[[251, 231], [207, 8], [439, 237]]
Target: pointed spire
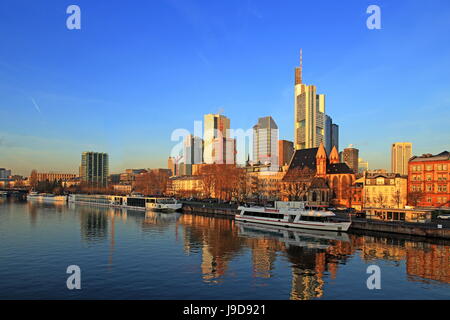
[[334, 155], [301, 58], [299, 70], [321, 153]]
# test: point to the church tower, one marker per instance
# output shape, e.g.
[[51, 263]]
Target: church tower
[[321, 162]]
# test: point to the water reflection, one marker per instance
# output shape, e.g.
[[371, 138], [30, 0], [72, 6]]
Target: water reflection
[[301, 262]]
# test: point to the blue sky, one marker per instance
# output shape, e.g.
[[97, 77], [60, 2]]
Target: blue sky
[[137, 70]]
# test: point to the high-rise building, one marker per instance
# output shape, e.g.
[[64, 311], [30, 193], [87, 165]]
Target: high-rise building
[[335, 136], [350, 157], [363, 165], [193, 150], [331, 134], [171, 166], [94, 168], [401, 152], [216, 139], [4, 174], [224, 151], [285, 152], [309, 113], [265, 142]]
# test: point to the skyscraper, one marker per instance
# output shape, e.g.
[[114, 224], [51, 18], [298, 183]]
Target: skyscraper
[[193, 149], [401, 152], [350, 157], [331, 134], [94, 168], [265, 142], [309, 113], [285, 152], [217, 141]]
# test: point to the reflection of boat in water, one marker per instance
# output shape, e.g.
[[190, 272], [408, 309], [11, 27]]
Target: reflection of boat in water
[[46, 197], [161, 218], [286, 216], [318, 239]]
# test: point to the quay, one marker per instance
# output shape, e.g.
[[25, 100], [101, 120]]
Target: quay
[[418, 229]]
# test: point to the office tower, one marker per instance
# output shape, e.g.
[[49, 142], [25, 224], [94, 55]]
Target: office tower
[[4, 174], [216, 129], [363, 165], [171, 166], [265, 142], [335, 136], [309, 113], [350, 157], [401, 152], [94, 168], [224, 151], [193, 149], [285, 152], [331, 134]]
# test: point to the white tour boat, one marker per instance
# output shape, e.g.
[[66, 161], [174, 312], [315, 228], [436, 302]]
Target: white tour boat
[[45, 197], [291, 217], [135, 201]]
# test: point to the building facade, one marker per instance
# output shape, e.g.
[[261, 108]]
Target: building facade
[[192, 149], [94, 169], [4, 173], [52, 176], [215, 136], [350, 156], [384, 190], [265, 142], [320, 179], [285, 152], [429, 180], [309, 113], [331, 134], [401, 152]]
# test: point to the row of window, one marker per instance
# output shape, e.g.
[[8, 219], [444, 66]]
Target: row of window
[[430, 188], [429, 167], [264, 214], [429, 178], [438, 200]]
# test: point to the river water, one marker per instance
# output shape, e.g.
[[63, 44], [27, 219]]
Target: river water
[[126, 254]]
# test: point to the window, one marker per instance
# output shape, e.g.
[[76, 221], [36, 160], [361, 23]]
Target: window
[[428, 177], [429, 188]]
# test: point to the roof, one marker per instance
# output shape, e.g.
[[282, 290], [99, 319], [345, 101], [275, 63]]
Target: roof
[[338, 168], [443, 156], [307, 158], [304, 158]]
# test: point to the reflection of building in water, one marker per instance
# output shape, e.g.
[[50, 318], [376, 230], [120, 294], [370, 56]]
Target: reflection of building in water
[[264, 254], [430, 263], [94, 224], [307, 272], [217, 240], [424, 260]]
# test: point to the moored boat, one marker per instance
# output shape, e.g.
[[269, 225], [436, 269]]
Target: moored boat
[[135, 201], [45, 197], [291, 217]]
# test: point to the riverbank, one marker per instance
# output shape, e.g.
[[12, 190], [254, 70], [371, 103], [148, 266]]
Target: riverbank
[[427, 230]]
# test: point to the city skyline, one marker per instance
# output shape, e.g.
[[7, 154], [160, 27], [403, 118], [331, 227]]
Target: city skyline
[[378, 92]]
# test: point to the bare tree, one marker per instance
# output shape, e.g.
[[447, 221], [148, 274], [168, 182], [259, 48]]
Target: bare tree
[[415, 197]]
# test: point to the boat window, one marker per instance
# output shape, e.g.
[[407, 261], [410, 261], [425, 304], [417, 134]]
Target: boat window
[[264, 214]]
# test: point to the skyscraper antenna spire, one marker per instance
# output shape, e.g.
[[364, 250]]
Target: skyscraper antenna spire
[[301, 58]]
